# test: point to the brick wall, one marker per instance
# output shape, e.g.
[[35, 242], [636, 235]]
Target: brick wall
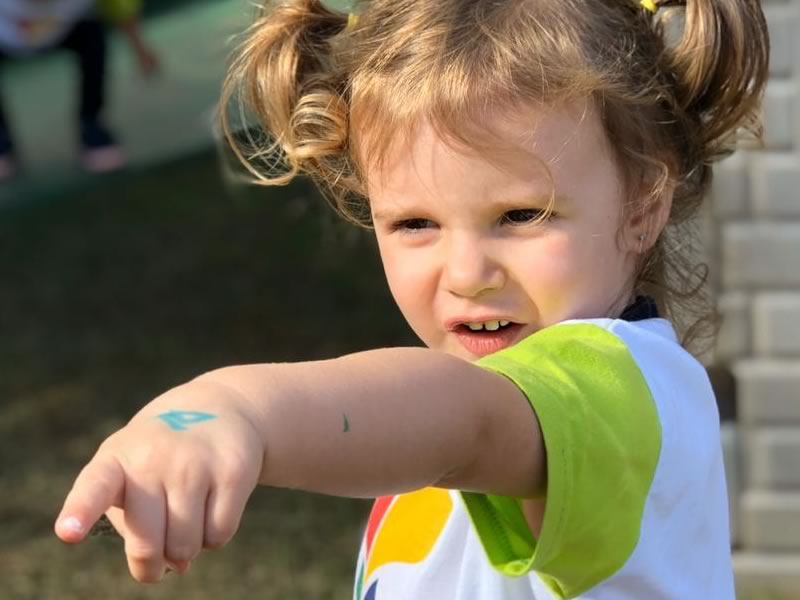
[[756, 257]]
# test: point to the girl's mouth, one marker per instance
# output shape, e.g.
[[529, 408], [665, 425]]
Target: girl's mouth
[[488, 337]]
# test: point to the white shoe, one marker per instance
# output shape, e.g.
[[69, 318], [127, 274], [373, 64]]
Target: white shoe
[[104, 159], [8, 168], [100, 152]]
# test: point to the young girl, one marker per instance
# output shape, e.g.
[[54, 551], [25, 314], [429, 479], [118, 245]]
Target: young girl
[[525, 165]]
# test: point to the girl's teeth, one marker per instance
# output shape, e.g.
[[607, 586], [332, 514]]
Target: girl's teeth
[[488, 325]]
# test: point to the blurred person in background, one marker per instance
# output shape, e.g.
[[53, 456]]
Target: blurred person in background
[[29, 27]]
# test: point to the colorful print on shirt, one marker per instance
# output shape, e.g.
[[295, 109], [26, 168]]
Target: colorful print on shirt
[[401, 529]]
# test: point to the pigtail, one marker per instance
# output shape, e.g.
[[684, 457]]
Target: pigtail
[[714, 66], [720, 59], [284, 78]]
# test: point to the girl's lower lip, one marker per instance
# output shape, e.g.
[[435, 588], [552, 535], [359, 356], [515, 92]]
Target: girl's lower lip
[[482, 343]]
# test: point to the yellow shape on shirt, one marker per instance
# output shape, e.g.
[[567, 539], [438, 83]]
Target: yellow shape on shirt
[[410, 528]]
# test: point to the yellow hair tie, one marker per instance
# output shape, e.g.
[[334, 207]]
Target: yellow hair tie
[[352, 21], [649, 5]]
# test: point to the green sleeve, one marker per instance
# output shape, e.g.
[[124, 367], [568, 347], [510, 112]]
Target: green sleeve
[[118, 11], [602, 437]]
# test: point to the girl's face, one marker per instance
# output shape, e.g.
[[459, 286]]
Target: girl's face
[[469, 268]]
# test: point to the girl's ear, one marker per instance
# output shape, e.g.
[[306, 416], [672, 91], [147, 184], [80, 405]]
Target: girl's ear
[[645, 221]]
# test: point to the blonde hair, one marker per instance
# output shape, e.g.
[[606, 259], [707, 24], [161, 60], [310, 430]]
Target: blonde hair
[[675, 92]]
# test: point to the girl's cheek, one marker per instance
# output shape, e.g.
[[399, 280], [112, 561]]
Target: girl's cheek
[[554, 261], [410, 288], [560, 280]]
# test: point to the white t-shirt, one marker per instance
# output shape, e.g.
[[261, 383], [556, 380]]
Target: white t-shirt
[[30, 25], [636, 504]]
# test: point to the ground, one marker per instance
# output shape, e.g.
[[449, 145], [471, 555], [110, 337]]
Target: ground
[[137, 284], [116, 288]]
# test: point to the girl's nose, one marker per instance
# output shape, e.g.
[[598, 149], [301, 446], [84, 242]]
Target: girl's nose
[[469, 270]]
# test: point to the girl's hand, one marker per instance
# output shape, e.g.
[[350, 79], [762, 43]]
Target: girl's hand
[[172, 482]]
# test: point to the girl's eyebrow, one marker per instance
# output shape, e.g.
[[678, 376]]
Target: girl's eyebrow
[[528, 200], [393, 213], [508, 203], [387, 215]]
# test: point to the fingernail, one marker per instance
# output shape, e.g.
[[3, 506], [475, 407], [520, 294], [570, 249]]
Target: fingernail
[[72, 524]]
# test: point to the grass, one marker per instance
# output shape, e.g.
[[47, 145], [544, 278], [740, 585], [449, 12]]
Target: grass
[[142, 282]]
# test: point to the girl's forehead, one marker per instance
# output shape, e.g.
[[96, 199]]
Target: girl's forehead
[[515, 141]]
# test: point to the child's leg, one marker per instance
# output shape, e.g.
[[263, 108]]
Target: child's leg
[[88, 40], [3, 121], [7, 160], [100, 152]]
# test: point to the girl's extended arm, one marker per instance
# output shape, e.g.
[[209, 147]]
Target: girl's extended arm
[[177, 477], [390, 421]]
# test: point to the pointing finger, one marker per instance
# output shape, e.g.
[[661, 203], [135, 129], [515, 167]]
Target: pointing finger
[[99, 486]]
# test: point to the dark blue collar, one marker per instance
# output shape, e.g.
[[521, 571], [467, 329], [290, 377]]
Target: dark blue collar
[[644, 307]]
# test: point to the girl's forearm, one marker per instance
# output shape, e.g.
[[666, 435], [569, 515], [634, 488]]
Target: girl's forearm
[[389, 421]]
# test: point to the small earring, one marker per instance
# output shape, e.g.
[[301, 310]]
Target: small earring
[[643, 237]]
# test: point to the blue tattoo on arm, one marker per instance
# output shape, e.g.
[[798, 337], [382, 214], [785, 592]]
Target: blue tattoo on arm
[[181, 420]]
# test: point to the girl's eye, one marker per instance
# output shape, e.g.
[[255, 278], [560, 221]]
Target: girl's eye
[[524, 216], [412, 225]]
